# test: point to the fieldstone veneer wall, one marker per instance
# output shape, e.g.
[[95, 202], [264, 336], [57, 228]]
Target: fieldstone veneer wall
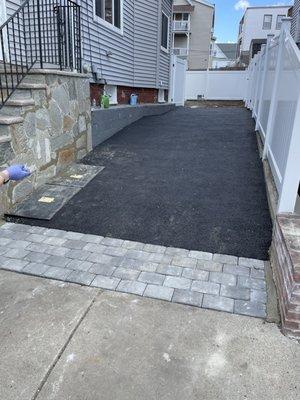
[[52, 128]]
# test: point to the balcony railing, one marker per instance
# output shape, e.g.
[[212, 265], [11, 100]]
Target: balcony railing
[[181, 26], [181, 52]]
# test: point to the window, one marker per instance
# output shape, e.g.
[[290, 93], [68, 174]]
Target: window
[[109, 11], [267, 24], [279, 21], [165, 32]]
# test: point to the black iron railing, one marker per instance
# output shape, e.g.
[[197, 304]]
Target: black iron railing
[[40, 34]]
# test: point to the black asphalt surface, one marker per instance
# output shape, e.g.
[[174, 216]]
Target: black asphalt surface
[[191, 178]]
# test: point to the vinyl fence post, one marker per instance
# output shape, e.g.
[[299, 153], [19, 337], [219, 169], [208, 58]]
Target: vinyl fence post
[[273, 105], [263, 82], [256, 91]]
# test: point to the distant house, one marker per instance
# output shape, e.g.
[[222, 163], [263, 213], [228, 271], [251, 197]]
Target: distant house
[[256, 24], [295, 28], [223, 55], [193, 24], [126, 46]]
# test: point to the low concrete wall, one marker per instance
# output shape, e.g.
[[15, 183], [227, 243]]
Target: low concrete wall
[[107, 122]]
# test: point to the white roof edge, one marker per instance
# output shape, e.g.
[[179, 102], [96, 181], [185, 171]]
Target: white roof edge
[[206, 3], [275, 6]]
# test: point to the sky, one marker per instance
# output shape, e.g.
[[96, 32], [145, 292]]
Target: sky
[[229, 13]]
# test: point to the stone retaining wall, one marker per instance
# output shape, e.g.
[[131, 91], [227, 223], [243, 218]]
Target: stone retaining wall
[[56, 130]]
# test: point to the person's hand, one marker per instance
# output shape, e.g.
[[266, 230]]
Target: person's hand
[[17, 172]]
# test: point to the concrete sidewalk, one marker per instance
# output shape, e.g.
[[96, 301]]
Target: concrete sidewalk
[[63, 341]]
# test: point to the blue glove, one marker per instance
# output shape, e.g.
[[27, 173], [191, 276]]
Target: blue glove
[[18, 172]]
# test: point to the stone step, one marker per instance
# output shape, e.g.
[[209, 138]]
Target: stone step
[[17, 94], [7, 120]]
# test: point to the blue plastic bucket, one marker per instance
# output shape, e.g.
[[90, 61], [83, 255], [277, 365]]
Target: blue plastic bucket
[[133, 99]]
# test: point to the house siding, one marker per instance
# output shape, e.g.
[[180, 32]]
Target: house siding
[[12, 6], [295, 21], [164, 59]]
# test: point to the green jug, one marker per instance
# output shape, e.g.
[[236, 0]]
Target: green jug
[[105, 101]]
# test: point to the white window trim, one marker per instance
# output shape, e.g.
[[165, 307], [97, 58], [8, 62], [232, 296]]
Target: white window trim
[[277, 21], [108, 25], [263, 27], [165, 50]]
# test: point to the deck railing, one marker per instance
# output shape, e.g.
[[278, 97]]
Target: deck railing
[[40, 34], [273, 95]]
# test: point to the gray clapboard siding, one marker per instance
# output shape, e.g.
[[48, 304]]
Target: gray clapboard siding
[[164, 65], [295, 21]]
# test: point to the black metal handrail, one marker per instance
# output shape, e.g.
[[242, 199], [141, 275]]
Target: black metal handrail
[[40, 34]]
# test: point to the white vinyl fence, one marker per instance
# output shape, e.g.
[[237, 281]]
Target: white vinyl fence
[[216, 85], [273, 94]]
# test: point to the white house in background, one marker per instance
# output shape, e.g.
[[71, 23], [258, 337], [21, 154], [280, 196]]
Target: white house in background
[[295, 14], [223, 55], [193, 24], [256, 24]]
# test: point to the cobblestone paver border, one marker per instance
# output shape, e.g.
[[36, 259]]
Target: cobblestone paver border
[[201, 279]]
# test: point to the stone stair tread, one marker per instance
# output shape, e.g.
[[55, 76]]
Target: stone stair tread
[[31, 86], [20, 102], [10, 120], [5, 138]]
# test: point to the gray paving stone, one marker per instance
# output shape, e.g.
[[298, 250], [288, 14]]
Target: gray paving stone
[[235, 292], [107, 241], [138, 255], [127, 274], [258, 296], [5, 241], [74, 235], [78, 254], [133, 287], [3, 250], [152, 248], [105, 282], [82, 277], [148, 266], [38, 247], [115, 251], [94, 248], [129, 245], [57, 261], [7, 225], [257, 273], [18, 227], [13, 235], [151, 278], [160, 258], [56, 251], [251, 262], [78, 265], [209, 266], [35, 268], [102, 269], [195, 274], [92, 238], [54, 241], [55, 233], [225, 259], [177, 283], [36, 237], [57, 273], [13, 264], [19, 244], [171, 270], [224, 279], [16, 253], [250, 308], [39, 230], [173, 251], [251, 283], [101, 259], [184, 262], [201, 255], [218, 303], [206, 287], [74, 244], [188, 297], [130, 263], [159, 292], [36, 257], [236, 270]]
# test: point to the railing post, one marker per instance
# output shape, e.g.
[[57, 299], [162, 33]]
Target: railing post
[[40, 32], [291, 176], [258, 64], [279, 64], [263, 83]]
